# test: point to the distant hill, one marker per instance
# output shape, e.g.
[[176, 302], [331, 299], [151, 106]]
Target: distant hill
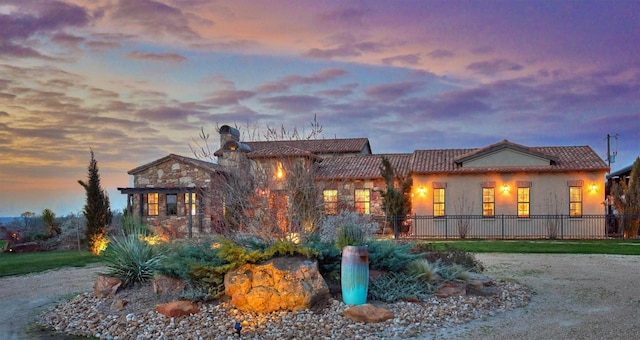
[[7, 220]]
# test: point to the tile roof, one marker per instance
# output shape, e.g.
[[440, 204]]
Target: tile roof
[[567, 158], [361, 167], [207, 166], [280, 150], [317, 146], [505, 144]]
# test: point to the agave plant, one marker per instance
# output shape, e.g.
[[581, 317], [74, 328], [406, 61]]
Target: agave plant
[[131, 259]]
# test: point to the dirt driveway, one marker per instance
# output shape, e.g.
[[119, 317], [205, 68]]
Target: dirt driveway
[[24, 297], [576, 297]]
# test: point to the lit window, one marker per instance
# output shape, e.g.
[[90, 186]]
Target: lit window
[[488, 202], [575, 201], [191, 211], [438, 202], [279, 170], [330, 202], [172, 204], [523, 202], [152, 204], [362, 201]]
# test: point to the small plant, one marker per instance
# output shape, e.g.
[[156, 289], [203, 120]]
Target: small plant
[[423, 269], [331, 224], [390, 256], [350, 235], [131, 259], [196, 294], [399, 286], [450, 256], [453, 272]]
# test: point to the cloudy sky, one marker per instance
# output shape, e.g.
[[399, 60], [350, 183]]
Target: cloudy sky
[[137, 79]]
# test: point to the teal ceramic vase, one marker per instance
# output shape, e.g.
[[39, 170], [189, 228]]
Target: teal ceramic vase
[[354, 274]]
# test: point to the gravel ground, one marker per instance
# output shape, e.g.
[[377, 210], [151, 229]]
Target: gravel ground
[[575, 297]]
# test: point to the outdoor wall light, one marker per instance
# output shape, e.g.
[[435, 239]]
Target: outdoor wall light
[[593, 187], [505, 189], [421, 191]]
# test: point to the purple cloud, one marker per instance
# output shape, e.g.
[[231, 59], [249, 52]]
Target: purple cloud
[[228, 97], [403, 60], [441, 54], [293, 104], [391, 92], [35, 18], [166, 114], [286, 83], [155, 17], [171, 58], [494, 67]]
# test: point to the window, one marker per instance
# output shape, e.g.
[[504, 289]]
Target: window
[[523, 202], [488, 202], [330, 202], [575, 201], [362, 200], [438, 202], [191, 211], [279, 170], [152, 204], [172, 204]]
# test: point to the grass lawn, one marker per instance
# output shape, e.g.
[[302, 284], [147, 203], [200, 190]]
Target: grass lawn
[[619, 247], [18, 264]]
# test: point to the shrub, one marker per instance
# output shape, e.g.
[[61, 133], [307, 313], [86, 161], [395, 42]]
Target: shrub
[[131, 259], [399, 286], [349, 235], [328, 256], [450, 256], [423, 269], [390, 256], [453, 271], [181, 257], [328, 231], [133, 225]]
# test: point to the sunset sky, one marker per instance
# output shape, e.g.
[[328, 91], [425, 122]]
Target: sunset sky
[[137, 79]]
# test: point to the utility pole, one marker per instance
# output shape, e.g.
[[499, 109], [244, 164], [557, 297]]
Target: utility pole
[[611, 158]]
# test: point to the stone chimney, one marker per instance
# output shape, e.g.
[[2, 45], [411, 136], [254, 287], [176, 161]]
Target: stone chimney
[[232, 150]]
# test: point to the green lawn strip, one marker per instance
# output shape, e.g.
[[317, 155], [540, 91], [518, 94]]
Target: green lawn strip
[[19, 264], [617, 247]]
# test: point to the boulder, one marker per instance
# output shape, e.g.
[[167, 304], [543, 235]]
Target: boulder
[[177, 308], [452, 288], [27, 247], [163, 284], [283, 283], [106, 286], [367, 313]]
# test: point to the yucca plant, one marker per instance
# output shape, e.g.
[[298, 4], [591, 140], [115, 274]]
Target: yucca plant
[[131, 259]]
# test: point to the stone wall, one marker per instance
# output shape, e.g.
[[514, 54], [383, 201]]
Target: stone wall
[[175, 174]]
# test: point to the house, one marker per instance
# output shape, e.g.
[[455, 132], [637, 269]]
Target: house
[[497, 183], [172, 194]]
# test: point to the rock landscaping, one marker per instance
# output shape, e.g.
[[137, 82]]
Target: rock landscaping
[[141, 314]]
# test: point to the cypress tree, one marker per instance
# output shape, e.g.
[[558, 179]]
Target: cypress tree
[[395, 201], [96, 209]]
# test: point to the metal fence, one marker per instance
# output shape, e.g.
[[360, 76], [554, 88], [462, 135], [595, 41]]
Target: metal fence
[[508, 227]]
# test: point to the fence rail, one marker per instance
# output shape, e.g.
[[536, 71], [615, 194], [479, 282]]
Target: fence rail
[[508, 227]]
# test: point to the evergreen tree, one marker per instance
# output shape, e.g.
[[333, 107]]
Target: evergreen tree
[[395, 201], [96, 210], [626, 199]]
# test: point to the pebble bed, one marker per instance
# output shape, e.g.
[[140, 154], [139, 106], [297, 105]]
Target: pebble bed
[[86, 315]]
